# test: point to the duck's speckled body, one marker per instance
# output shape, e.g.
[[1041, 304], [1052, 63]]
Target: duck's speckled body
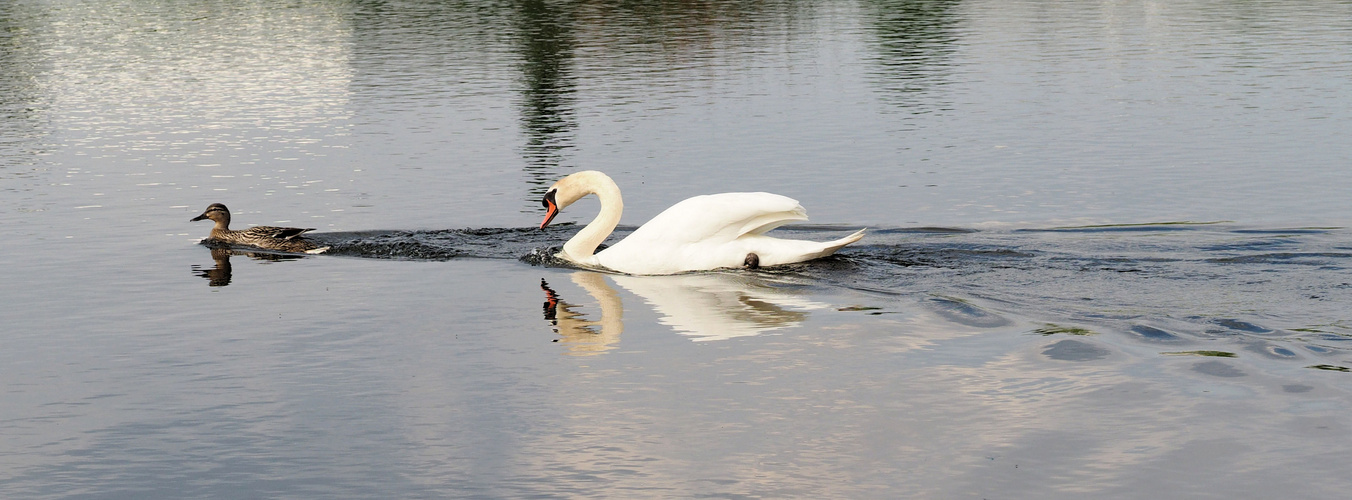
[[282, 239]]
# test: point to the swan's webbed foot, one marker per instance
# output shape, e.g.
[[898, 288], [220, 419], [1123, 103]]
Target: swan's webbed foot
[[752, 261]]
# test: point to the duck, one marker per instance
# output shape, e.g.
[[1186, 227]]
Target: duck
[[701, 233], [282, 239]]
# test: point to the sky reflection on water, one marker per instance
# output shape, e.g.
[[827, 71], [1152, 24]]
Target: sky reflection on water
[[935, 112], [1015, 325]]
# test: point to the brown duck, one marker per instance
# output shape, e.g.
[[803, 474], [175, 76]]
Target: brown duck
[[282, 239]]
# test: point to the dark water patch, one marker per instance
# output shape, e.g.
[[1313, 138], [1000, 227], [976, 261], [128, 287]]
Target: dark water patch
[[904, 257], [1297, 388], [1153, 334], [1334, 338], [1298, 230], [1158, 267], [1332, 368], [1240, 325], [1210, 354], [1217, 369], [1335, 329], [1133, 227], [989, 254], [1247, 245], [921, 230], [961, 312], [1074, 350], [447, 244], [964, 257], [1278, 352], [399, 246], [1292, 258]]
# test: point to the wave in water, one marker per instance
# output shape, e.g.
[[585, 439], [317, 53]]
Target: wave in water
[[1277, 292]]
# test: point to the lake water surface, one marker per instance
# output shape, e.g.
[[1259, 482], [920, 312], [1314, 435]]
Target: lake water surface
[[1108, 251]]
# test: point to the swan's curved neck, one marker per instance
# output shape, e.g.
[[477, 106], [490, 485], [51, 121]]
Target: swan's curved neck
[[582, 246]]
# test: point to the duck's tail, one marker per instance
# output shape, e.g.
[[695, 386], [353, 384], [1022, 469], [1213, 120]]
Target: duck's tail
[[317, 250]]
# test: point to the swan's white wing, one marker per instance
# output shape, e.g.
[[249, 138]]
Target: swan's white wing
[[719, 218], [714, 231]]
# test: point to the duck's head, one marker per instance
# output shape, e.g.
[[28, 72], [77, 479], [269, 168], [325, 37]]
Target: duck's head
[[572, 188], [216, 212]]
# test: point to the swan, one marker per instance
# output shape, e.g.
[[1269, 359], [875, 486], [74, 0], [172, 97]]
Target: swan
[[698, 234]]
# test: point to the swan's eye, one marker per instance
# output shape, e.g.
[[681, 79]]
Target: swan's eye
[[549, 197]]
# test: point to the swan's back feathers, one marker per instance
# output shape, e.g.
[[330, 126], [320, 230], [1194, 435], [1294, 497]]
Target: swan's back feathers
[[768, 211], [714, 231], [720, 217]]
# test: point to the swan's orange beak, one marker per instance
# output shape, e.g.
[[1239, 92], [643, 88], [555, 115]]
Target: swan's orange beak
[[552, 209]]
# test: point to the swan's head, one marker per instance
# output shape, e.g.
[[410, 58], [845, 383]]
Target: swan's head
[[572, 188]]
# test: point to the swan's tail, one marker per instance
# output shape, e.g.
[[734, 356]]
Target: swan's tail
[[774, 251], [830, 247]]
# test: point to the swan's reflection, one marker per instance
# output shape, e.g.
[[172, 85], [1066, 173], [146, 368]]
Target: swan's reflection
[[705, 306], [583, 336], [219, 274], [716, 306]]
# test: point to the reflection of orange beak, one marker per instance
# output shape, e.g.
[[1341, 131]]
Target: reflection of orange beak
[[551, 301], [552, 209]]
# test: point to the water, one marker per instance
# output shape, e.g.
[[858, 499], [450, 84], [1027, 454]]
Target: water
[[1107, 252]]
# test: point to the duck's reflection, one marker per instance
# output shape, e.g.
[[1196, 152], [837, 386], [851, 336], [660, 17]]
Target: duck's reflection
[[706, 306], [219, 274]]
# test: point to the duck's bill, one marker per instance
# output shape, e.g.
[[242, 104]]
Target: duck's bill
[[200, 217]]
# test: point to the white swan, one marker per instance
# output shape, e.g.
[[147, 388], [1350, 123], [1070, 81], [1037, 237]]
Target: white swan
[[700, 233]]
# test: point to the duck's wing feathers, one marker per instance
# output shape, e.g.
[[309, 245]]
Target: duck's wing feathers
[[283, 233]]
